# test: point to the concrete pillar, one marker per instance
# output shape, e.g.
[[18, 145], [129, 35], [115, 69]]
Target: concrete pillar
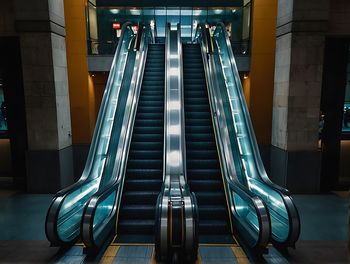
[[40, 24], [295, 159]]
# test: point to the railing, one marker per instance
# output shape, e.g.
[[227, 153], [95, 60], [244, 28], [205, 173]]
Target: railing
[[240, 48], [247, 211], [64, 216], [176, 216], [102, 47], [285, 223], [99, 218]]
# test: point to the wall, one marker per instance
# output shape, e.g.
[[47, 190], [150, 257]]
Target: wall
[[83, 120], [262, 68]]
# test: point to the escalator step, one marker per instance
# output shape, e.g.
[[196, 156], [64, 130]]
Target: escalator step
[[199, 154], [144, 173], [198, 174], [147, 137], [206, 185], [212, 212], [138, 212], [143, 197], [148, 184], [210, 198], [146, 145], [136, 227], [148, 129], [196, 145], [145, 154], [145, 164], [213, 227], [203, 166]]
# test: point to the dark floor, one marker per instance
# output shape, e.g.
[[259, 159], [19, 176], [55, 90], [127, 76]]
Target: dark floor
[[323, 239]]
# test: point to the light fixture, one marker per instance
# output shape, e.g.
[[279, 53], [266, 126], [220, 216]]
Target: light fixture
[[245, 76], [233, 10], [114, 11]]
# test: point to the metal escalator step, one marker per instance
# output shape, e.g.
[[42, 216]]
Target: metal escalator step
[[212, 212], [136, 137], [149, 184], [204, 137], [137, 173], [203, 167], [210, 198], [137, 212], [195, 145], [149, 129], [145, 163], [148, 122], [206, 185], [140, 197], [146, 154], [199, 129], [136, 227], [200, 154], [144, 171], [203, 164], [213, 227]]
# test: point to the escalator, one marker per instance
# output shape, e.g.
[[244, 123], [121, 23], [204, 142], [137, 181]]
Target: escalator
[[64, 217], [203, 166], [283, 214], [144, 173]]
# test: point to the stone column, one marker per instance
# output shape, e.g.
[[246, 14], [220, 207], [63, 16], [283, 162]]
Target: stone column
[[40, 24], [295, 159]]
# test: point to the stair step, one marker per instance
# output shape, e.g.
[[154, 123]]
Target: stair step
[[206, 185], [213, 227], [145, 212], [136, 227], [145, 154], [145, 163], [203, 167], [141, 197], [149, 184], [144, 173]]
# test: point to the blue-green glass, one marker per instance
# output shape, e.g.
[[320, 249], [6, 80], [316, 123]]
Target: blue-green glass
[[235, 111], [70, 214], [3, 111], [106, 206], [240, 203]]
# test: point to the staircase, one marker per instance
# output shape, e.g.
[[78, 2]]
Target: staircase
[[144, 174], [203, 167]]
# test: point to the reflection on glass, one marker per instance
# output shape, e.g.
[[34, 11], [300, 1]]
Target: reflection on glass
[[346, 118], [235, 111], [103, 38], [3, 111]]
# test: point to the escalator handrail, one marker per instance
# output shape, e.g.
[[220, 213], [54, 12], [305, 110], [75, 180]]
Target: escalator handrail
[[119, 168], [230, 180], [293, 215], [175, 188], [59, 198], [249, 125]]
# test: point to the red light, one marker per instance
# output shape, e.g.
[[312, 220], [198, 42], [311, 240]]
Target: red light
[[116, 25], [135, 28]]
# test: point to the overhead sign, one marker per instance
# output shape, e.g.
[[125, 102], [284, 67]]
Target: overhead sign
[[116, 25]]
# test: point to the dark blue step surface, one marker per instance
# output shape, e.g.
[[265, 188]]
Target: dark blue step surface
[[144, 171], [203, 167]]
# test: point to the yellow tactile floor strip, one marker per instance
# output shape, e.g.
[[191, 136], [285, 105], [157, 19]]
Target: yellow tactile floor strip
[[153, 258], [240, 255], [110, 254]]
